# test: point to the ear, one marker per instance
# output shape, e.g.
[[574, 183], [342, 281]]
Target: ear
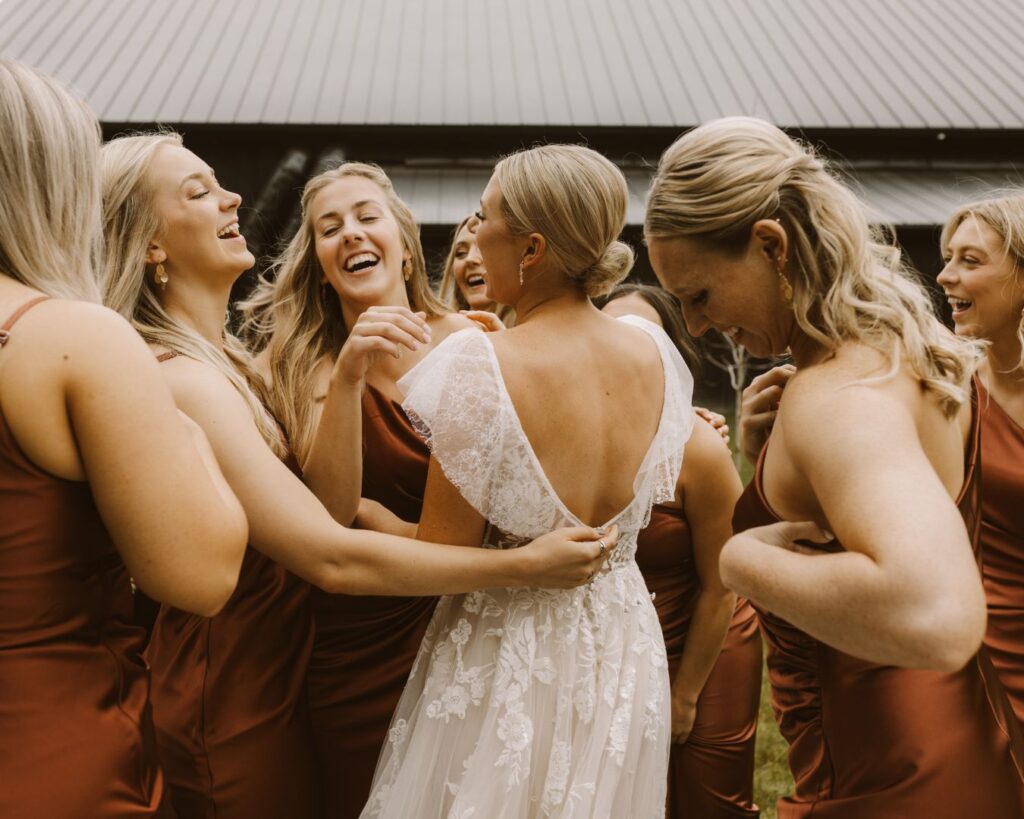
[[770, 240], [155, 254], [535, 250]]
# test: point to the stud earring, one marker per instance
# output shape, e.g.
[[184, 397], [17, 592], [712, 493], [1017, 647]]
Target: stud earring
[[161, 277]]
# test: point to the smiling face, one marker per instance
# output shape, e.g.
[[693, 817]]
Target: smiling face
[[199, 219], [359, 243], [979, 281], [468, 270], [739, 296], [500, 250]]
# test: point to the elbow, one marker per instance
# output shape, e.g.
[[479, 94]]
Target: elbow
[[337, 575], [947, 636], [732, 565]]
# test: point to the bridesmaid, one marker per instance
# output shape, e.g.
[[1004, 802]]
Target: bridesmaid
[[357, 253], [873, 635], [463, 284], [229, 692], [99, 478], [983, 245], [715, 696]]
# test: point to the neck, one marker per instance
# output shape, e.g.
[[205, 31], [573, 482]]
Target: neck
[[352, 310], [535, 302], [805, 350], [199, 307], [1000, 369]]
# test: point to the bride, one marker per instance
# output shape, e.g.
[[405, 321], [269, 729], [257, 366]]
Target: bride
[[537, 702]]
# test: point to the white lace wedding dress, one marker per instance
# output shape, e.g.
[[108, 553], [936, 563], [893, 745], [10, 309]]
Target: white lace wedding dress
[[531, 702]]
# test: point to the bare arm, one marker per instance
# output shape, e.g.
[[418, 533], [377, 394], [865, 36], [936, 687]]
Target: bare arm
[[376, 516], [711, 488], [907, 590], [289, 525], [333, 466], [90, 403]]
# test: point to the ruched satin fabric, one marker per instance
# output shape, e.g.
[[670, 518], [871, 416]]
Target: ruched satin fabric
[[868, 740], [711, 775], [1002, 544], [365, 646], [76, 731], [229, 700]]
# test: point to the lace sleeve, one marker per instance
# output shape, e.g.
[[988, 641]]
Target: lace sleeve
[[452, 400], [660, 470]]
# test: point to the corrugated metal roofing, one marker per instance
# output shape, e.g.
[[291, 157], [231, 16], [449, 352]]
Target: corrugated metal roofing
[[894, 196], [820, 64]]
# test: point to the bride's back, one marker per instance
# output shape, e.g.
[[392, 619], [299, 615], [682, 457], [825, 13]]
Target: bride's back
[[588, 391]]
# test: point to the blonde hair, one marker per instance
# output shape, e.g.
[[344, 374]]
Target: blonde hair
[[300, 321], [50, 207], [448, 290], [129, 225], [717, 180], [577, 200], [1004, 213]]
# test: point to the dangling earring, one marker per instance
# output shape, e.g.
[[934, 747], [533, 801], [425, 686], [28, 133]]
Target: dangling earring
[[407, 269], [521, 274], [161, 277], [784, 286]]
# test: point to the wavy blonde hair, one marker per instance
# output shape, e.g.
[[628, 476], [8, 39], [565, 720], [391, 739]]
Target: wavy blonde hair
[[849, 285], [49, 175], [1004, 213], [299, 321], [129, 225], [448, 289], [577, 200]]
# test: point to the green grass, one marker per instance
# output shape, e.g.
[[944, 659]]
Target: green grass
[[771, 772]]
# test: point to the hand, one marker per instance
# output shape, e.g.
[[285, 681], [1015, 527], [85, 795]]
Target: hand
[[684, 714], [485, 319], [716, 420], [785, 535], [378, 332], [566, 558], [759, 408]]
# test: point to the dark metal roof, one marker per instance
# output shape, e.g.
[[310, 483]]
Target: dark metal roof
[[942, 64]]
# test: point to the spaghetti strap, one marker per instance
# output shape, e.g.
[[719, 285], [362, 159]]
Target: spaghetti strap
[[167, 356], [5, 331]]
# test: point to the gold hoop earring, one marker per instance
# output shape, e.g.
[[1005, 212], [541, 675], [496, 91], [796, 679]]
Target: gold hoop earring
[[161, 277]]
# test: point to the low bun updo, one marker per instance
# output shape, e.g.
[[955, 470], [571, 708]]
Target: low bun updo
[[576, 199]]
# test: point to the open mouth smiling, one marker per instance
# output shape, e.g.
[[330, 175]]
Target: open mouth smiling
[[229, 232], [361, 262]]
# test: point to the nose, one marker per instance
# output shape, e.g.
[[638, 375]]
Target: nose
[[947, 276], [473, 254], [231, 200], [352, 231], [696, 323]]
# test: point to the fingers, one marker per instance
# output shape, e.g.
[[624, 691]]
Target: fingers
[[488, 321], [775, 377]]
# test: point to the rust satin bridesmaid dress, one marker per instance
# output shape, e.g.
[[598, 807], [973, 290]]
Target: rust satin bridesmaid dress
[[1002, 544], [711, 776], [229, 700], [365, 646], [867, 740], [76, 731]]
